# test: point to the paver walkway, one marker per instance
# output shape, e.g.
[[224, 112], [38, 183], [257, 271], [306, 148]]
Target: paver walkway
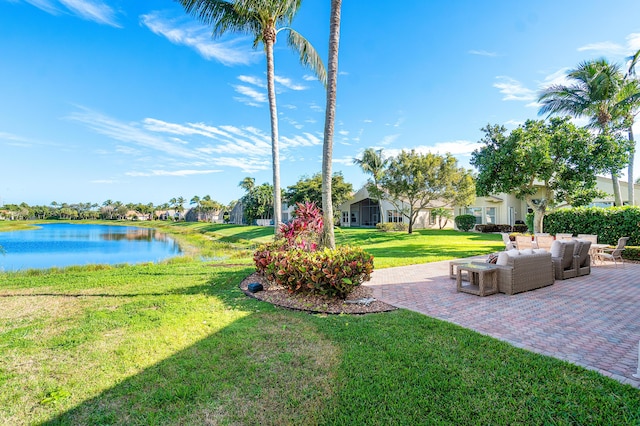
[[592, 321]]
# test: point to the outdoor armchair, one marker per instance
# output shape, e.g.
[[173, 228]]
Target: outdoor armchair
[[582, 258], [562, 257], [524, 242], [613, 254], [544, 241]]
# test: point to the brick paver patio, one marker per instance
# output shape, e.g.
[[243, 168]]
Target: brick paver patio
[[592, 321]]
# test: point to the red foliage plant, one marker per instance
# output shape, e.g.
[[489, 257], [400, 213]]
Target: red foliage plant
[[305, 229]]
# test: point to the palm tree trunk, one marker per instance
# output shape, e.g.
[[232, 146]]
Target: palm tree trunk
[[275, 152], [616, 189], [630, 180], [328, 238]]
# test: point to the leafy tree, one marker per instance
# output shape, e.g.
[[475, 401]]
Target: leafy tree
[[542, 163], [412, 181], [328, 237], [309, 190], [262, 19], [598, 91], [258, 203]]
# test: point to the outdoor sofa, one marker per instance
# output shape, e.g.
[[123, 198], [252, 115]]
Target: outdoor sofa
[[524, 270]]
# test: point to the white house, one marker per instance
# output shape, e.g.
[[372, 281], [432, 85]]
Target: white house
[[503, 209], [507, 209], [362, 211]]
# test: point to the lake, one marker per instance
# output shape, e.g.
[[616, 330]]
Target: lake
[[66, 244]]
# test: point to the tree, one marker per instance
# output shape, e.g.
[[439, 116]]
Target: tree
[[373, 163], [413, 181], [596, 92], [311, 190], [328, 237], [258, 203], [262, 19], [632, 87], [443, 215], [542, 163]]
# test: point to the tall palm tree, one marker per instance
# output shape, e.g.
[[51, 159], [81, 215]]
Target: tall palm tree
[[633, 85], [247, 184], [595, 93], [263, 19], [328, 237]]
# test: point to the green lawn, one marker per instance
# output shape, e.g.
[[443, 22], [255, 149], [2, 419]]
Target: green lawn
[[178, 343]]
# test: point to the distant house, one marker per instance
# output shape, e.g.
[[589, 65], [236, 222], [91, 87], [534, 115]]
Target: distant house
[[363, 211], [169, 214], [196, 215], [236, 215]]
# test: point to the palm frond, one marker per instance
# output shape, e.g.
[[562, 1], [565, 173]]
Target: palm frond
[[308, 54]]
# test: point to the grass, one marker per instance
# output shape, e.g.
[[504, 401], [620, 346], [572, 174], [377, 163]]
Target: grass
[[178, 343]]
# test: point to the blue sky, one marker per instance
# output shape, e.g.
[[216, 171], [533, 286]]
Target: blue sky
[[133, 101]]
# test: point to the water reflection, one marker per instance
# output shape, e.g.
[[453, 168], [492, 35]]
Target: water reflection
[[72, 244]]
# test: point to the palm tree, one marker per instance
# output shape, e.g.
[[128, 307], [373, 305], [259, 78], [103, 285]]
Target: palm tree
[[596, 92], [633, 85], [247, 184], [263, 19], [374, 164], [328, 237]]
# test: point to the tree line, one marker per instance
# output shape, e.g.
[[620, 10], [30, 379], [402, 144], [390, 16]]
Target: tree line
[[206, 208]]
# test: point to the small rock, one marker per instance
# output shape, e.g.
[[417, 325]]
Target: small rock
[[364, 301]]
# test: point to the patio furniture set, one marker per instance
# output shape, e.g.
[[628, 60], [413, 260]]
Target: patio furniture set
[[530, 264]]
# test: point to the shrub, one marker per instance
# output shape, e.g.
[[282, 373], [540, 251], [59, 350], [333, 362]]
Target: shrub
[[384, 227], [334, 273], [631, 253], [520, 228], [305, 229], [465, 222], [493, 228], [390, 226], [608, 223], [529, 221]]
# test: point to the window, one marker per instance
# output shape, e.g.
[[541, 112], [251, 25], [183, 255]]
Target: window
[[432, 218], [345, 217], [394, 216], [475, 211], [490, 215]]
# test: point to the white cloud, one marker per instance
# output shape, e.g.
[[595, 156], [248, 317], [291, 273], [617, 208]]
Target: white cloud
[[154, 173], [253, 80], [305, 139], [605, 46], [389, 139], [251, 94], [309, 77], [93, 11], [366, 120], [246, 165], [289, 84], [513, 90], [90, 10], [345, 161], [198, 38], [343, 132], [483, 53]]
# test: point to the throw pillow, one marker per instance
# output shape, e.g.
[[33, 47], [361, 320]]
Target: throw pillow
[[493, 258]]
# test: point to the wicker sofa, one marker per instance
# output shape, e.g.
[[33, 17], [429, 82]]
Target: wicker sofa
[[523, 271]]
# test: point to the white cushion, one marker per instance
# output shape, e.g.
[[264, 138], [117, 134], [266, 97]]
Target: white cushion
[[513, 253], [503, 258], [539, 251], [556, 248], [527, 251]]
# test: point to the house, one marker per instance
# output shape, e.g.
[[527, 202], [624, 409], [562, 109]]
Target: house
[[363, 211], [236, 216], [503, 209], [507, 209]]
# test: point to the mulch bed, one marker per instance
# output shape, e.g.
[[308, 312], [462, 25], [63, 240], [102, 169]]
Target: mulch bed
[[279, 296]]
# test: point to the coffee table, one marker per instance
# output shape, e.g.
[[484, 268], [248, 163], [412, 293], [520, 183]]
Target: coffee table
[[479, 276]]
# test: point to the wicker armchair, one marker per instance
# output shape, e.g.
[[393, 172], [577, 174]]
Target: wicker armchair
[[524, 272], [524, 242], [563, 261], [582, 258]]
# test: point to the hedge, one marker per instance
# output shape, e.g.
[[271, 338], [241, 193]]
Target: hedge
[[608, 223]]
